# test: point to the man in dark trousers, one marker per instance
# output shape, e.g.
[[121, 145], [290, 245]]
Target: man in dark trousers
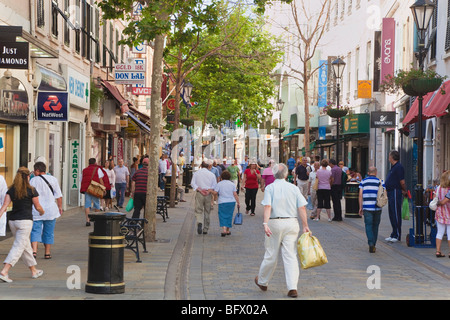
[[395, 187], [139, 188], [336, 190]]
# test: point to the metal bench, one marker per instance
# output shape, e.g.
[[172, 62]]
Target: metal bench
[[133, 231], [161, 208]]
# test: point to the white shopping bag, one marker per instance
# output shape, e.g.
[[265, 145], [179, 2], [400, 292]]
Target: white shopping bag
[[3, 225]]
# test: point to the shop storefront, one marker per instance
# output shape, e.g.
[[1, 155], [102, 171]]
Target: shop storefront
[[74, 133], [356, 134]]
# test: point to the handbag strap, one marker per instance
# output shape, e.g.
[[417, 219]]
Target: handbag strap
[[53, 192]]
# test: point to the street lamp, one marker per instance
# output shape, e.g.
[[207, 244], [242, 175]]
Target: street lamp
[[338, 70], [186, 95], [422, 11], [280, 104]]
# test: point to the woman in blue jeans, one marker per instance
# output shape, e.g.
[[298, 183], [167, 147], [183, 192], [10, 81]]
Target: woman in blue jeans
[[368, 191]]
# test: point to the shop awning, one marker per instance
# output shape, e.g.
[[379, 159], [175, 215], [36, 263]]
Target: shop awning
[[140, 124], [434, 104], [439, 105], [292, 133], [117, 96]]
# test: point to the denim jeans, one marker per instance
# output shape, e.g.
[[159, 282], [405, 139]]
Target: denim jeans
[[161, 183], [372, 221], [120, 193]]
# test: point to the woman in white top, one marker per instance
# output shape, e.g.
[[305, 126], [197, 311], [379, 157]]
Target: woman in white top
[[110, 194], [227, 200]]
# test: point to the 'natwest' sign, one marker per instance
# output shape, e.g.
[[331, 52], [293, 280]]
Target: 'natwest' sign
[[141, 91]]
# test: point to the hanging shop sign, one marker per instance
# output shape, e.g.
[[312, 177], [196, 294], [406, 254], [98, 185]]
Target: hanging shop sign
[[52, 106], [74, 164], [141, 91], [14, 105], [382, 119], [129, 73], [387, 48], [364, 89], [14, 55], [78, 86]]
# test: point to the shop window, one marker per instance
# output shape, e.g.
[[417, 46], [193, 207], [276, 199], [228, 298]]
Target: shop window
[[40, 12], [54, 19]]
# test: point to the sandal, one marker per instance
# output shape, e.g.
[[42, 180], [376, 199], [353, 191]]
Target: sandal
[[252, 214], [439, 254], [47, 256]]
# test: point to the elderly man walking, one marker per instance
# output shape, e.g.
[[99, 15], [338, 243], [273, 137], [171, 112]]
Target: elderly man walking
[[282, 203], [203, 182]]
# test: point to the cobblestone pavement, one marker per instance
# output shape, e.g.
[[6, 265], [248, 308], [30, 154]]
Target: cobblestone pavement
[[184, 265], [230, 264]]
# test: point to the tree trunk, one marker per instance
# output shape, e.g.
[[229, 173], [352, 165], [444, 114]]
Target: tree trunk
[[306, 98], [155, 124], [173, 188]]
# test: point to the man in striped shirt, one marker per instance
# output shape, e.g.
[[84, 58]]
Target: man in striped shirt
[[139, 188], [368, 191]]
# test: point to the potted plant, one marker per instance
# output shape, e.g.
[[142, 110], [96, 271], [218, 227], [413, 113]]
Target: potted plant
[[336, 112], [187, 122], [415, 82]]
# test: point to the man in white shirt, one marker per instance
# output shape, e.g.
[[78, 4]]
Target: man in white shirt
[[203, 182], [283, 203], [162, 171], [50, 198], [122, 180]]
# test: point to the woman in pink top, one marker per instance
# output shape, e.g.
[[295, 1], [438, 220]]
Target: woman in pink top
[[324, 192], [267, 176], [442, 213]]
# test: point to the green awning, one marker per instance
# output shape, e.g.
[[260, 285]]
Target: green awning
[[292, 133]]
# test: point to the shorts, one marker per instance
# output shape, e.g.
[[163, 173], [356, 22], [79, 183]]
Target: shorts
[[43, 231], [88, 199]]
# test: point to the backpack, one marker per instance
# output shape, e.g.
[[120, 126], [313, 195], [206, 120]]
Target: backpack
[[344, 178], [382, 198]]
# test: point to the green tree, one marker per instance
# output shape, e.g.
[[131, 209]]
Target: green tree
[[174, 23]]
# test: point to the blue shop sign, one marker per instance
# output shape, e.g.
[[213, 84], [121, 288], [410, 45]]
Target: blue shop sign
[[52, 106]]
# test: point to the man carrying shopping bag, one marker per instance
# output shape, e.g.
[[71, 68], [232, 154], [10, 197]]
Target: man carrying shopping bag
[[282, 202]]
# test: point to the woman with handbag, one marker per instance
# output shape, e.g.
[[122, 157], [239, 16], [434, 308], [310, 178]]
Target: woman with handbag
[[226, 190], [23, 196], [442, 212]]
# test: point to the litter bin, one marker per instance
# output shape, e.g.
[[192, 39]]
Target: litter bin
[[167, 186], [352, 200], [106, 253]]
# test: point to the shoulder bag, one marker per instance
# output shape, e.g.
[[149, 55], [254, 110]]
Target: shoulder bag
[[96, 189], [53, 192], [434, 202], [382, 198]]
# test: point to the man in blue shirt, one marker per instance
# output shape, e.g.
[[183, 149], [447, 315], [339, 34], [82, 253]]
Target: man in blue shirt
[[291, 164], [368, 192], [395, 187]]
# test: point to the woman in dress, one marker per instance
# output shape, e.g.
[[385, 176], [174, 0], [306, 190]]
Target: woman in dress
[[251, 180], [442, 213], [23, 196], [226, 190], [324, 191]]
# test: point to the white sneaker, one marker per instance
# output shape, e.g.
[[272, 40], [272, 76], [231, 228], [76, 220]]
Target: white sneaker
[[388, 239], [37, 274], [5, 278], [393, 240]]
